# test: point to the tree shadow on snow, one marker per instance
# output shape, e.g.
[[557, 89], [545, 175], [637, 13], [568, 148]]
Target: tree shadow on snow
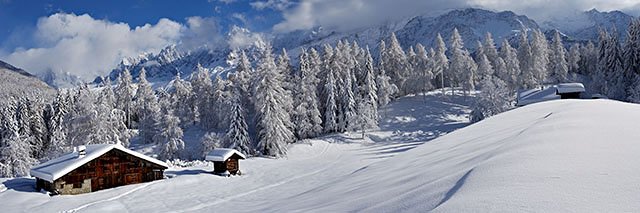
[[21, 184], [186, 172]]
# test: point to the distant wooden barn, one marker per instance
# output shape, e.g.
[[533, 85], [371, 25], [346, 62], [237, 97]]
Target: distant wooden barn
[[225, 161], [95, 167]]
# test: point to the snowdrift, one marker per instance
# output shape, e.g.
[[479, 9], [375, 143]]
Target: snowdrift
[[557, 156]]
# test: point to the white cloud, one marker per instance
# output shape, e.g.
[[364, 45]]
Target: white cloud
[[240, 38], [349, 14], [201, 32], [272, 4], [87, 47]]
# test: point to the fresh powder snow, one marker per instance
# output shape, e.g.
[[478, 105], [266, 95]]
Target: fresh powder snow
[[562, 155]]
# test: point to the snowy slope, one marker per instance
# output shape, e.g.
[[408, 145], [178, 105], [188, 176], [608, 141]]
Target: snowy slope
[[556, 156], [19, 83]]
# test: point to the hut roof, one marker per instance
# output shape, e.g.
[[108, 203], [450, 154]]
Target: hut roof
[[222, 154], [570, 88], [56, 168]]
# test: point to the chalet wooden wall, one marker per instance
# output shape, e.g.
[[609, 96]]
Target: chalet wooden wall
[[114, 168]]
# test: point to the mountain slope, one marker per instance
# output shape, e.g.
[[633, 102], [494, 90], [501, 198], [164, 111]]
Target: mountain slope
[[19, 83], [586, 25]]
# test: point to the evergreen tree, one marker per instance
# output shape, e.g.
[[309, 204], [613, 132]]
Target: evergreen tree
[[124, 95], [485, 70], [237, 136], [209, 142], [271, 103], [148, 110], [440, 63], [172, 134], [528, 78], [396, 64], [490, 50], [423, 69], [15, 156], [631, 59], [58, 134], [220, 102], [573, 58], [307, 118], [202, 96], [558, 65], [539, 58], [368, 104], [462, 68], [494, 96], [588, 59], [182, 101]]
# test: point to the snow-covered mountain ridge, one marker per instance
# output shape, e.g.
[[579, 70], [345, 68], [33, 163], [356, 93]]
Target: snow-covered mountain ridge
[[17, 82], [473, 24]]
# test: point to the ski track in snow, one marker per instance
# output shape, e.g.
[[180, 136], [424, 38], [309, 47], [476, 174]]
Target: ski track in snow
[[229, 198], [112, 198]]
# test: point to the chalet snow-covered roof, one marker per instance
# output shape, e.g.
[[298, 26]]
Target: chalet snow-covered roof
[[222, 154], [56, 168], [536, 95], [570, 88], [527, 97]]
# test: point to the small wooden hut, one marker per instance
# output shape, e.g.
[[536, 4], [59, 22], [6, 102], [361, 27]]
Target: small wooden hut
[[225, 161], [94, 167]]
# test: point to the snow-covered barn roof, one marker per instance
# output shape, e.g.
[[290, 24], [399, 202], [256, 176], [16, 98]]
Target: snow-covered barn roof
[[531, 96], [56, 168], [222, 154], [570, 88], [535, 95]]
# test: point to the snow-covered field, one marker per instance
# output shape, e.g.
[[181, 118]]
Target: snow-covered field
[[558, 156]]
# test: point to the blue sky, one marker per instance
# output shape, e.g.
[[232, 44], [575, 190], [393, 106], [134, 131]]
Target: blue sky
[[19, 17]]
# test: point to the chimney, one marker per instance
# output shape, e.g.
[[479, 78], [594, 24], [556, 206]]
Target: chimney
[[82, 151]]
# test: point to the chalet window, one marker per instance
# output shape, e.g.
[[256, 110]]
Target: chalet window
[[77, 185]]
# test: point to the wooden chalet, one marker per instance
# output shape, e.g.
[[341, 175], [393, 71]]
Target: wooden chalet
[[95, 167], [225, 161]]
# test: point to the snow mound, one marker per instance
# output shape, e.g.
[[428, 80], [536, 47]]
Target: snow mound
[[565, 155]]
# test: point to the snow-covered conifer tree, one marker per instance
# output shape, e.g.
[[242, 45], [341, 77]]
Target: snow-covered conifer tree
[[307, 118], [539, 57], [202, 96], [462, 68], [124, 95], [528, 78], [183, 101], [440, 63], [490, 50], [15, 156], [368, 104], [271, 104], [237, 136], [573, 58], [209, 142], [148, 110], [172, 134], [485, 70], [423, 70], [396, 64], [631, 59], [558, 64]]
